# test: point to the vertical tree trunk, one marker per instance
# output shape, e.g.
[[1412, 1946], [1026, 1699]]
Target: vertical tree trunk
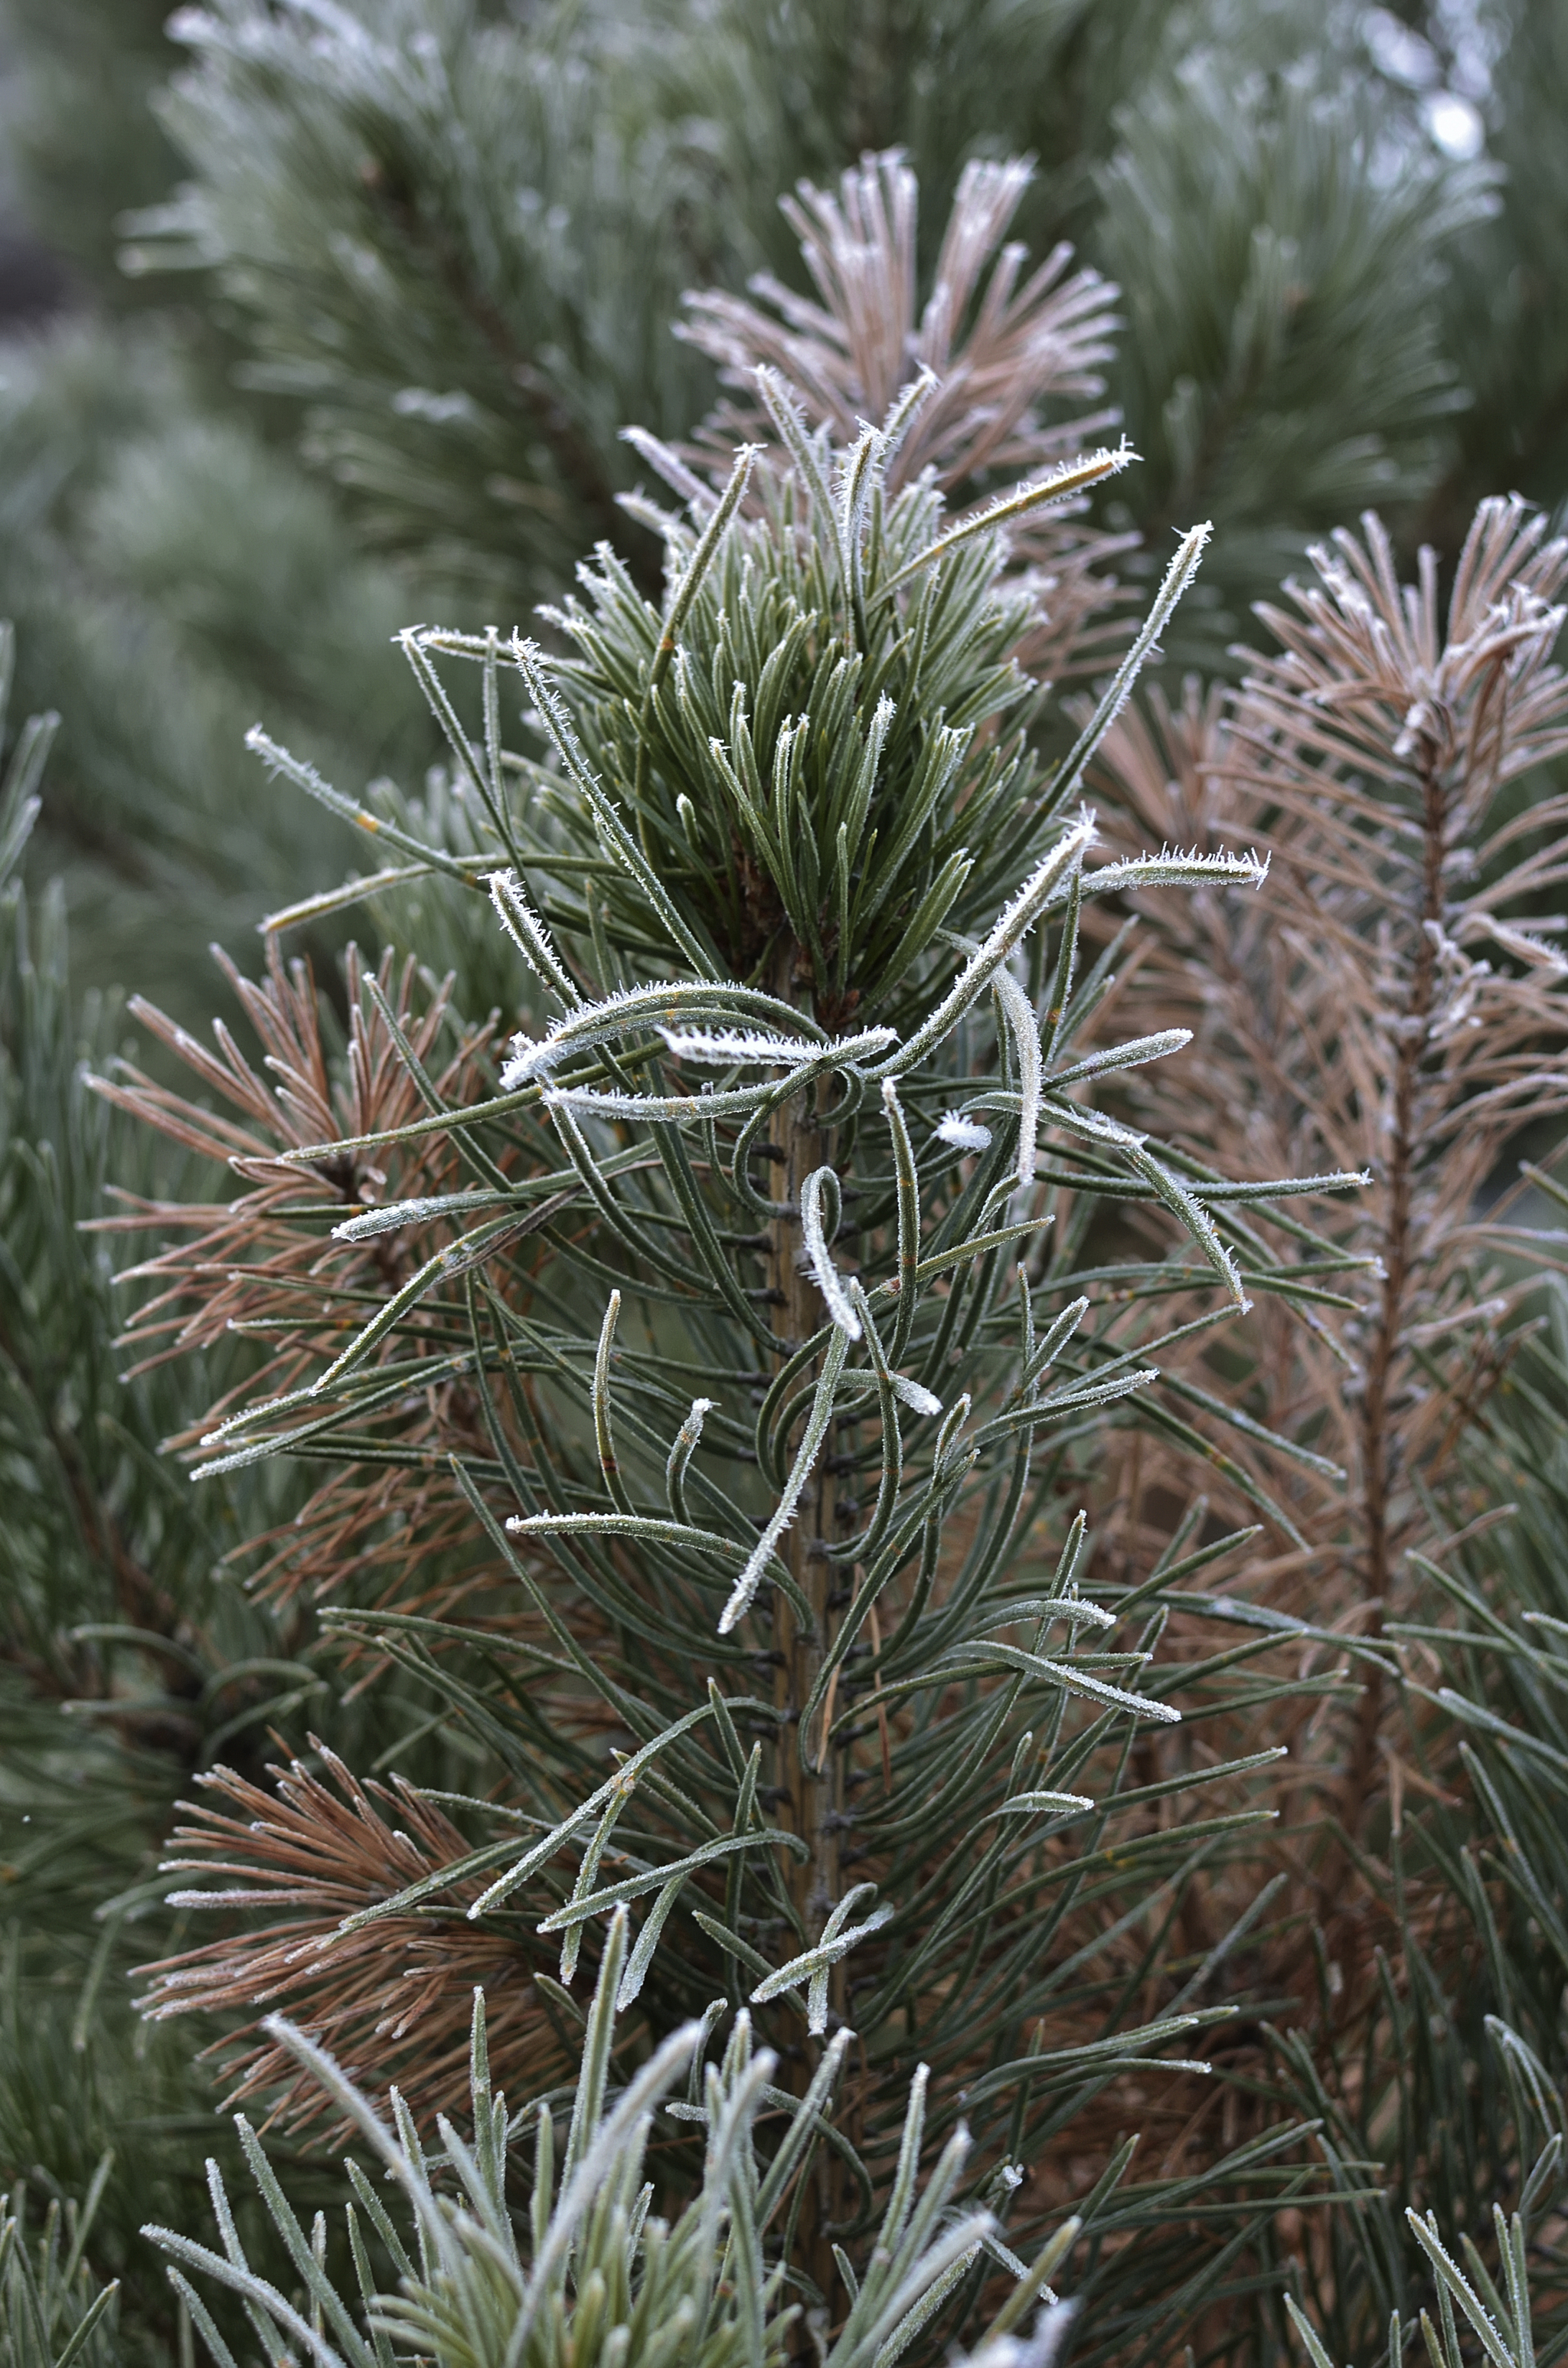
[[809, 1799], [1380, 1441]]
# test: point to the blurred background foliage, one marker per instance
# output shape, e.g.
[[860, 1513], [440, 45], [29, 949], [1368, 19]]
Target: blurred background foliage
[[326, 317]]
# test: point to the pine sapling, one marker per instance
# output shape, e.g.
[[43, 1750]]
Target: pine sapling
[[753, 1260]]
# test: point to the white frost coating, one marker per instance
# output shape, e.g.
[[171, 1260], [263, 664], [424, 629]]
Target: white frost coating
[[745, 1586], [701, 498], [1131, 1055], [388, 1215], [1520, 938], [1098, 1123], [530, 937], [963, 1133], [1066, 481], [669, 1110], [633, 1006], [1171, 867], [1016, 918], [690, 1431], [812, 1967], [725, 1048], [1031, 1804], [876, 740], [526, 1061], [1024, 1029], [728, 1048], [914, 1394], [733, 1102], [1056, 1338], [829, 1281], [1178, 575]]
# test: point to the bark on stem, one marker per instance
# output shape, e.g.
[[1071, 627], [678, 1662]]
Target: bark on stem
[[1378, 1429], [808, 1800]]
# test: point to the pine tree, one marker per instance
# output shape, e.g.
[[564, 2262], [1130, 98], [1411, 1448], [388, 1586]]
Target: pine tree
[[638, 740], [1252, 365], [1399, 1008], [830, 1698]]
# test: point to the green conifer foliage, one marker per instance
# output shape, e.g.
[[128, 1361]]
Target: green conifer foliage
[[461, 245], [82, 139], [1506, 302], [131, 1657], [169, 573], [452, 239], [1269, 246], [598, 2276], [55, 2310], [105, 1673], [779, 1522]]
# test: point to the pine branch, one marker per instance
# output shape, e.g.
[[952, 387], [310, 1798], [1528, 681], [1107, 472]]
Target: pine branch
[[1374, 753], [393, 1999], [851, 1740], [1004, 362]]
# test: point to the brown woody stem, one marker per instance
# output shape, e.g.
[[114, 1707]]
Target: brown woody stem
[[810, 1796], [1378, 1429]]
